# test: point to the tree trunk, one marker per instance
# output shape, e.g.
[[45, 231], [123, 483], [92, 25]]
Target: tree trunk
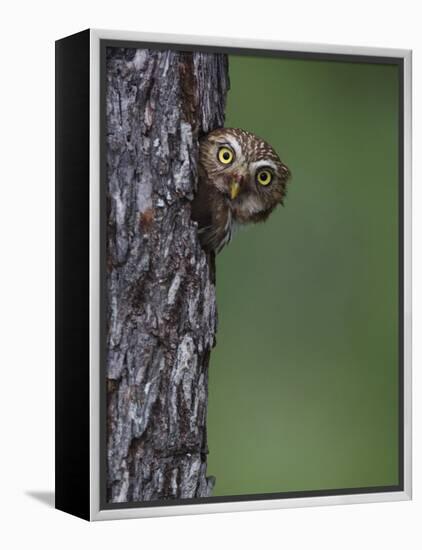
[[161, 309]]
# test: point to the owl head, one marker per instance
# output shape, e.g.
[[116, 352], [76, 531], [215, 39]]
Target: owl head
[[245, 170]]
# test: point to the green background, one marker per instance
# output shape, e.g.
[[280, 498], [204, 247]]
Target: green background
[[304, 378]]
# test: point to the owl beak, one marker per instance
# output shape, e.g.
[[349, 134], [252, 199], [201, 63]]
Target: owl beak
[[234, 189]]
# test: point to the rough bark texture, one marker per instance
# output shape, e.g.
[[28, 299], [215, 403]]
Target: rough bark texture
[[161, 310]]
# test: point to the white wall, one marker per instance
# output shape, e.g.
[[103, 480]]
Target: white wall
[[26, 270]]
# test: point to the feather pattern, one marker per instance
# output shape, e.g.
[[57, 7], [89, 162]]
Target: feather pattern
[[231, 188]]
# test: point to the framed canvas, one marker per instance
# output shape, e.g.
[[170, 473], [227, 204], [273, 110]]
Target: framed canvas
[[233, 287]]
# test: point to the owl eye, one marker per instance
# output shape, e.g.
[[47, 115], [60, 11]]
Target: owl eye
[[225, 155], [264, 177]]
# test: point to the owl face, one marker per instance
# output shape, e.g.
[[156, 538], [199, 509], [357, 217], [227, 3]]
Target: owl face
[[246, 171]]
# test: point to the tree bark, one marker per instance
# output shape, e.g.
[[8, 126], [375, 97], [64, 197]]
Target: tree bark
[[161, 308]]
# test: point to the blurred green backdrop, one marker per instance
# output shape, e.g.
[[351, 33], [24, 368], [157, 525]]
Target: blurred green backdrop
[[304, 378]]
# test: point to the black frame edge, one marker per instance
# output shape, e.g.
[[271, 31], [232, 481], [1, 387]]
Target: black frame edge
[[72, 453]]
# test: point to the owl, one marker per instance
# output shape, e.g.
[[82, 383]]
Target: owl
[[241, 179]]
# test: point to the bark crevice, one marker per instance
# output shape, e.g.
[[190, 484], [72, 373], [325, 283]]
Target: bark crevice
[[161, 307]]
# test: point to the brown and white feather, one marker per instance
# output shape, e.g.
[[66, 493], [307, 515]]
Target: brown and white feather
[[216, 211]]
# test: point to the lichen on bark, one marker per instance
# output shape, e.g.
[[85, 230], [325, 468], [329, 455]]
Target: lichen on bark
[[161, 309]]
